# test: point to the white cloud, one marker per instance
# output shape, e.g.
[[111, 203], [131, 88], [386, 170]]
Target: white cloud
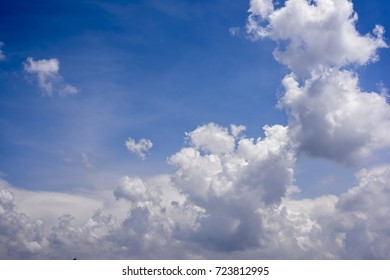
[[20, 237], [230, 178], [331, 117], [232, 196], [313, 34], [165, 222], [168, 214], [351, 226], [134, 190], [49, 79], [262, 8], [363, 216], [211, 138], [48, 206], [139, 148], [2, 55], [237, 130], [46, 71]]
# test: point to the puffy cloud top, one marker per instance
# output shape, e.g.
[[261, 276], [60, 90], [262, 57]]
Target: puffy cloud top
[[212, 139], [312, 34], [139, 148], [20, 237], [331, 117], [353, 225], [230, 196], [49, 79], [262, 8]]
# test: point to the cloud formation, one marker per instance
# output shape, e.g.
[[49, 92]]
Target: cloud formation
[[163, 222], [212, 200], [231, 196], [20, 237], [329, 115], [230, 178], [139, 148], [48, 77], [296, 27]]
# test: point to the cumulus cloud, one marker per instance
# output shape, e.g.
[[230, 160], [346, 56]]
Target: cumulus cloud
[[20, 237], [134, 190], [353, 225], [48, 77], [313, 34], [362, 215], [331, 117], [231, 196], [234, 203], [261, 8], [237, 130], [230, 178], [139, 148], [212, 200], [37, 203]]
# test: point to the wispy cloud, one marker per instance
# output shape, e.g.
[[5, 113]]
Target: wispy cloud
[[48, 77], [166, 218], [296, 26]]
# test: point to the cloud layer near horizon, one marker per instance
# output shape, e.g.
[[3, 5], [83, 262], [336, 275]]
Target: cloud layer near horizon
[[231, 196], [163, 223]]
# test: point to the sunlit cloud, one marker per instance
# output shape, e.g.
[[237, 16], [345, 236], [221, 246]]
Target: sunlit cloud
[[48, 77], [139, 148], [228, 195]]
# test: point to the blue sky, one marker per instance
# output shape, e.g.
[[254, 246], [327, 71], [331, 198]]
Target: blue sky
[[80, 80], [143, 68]]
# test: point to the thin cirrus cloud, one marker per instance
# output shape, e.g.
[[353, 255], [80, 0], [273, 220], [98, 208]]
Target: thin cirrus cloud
[[231, 196], [47, 74]]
